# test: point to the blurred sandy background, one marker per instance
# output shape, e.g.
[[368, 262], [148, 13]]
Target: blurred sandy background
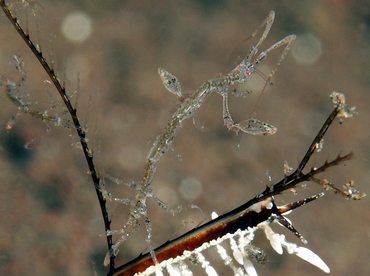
[[50, 222]]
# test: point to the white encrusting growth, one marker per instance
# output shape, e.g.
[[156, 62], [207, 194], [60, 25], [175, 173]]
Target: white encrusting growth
[[243, 253]]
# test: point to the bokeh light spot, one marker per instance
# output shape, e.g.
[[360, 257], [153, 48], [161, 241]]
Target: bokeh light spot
[[190, 188], [77, 27], [307, 49]]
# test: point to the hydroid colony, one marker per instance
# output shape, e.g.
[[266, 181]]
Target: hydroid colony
[[262, 208]]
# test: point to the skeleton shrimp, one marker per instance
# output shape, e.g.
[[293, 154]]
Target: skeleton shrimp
[[13, 94], [188, 108]]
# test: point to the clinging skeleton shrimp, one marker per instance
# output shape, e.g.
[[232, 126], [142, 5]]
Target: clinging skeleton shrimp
[[188, 108], [12, 92]]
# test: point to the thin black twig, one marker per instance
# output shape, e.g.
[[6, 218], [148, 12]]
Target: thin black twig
[[290, 180]]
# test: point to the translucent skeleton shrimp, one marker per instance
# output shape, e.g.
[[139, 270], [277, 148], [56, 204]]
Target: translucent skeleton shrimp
[[13, 94], [188, 108]]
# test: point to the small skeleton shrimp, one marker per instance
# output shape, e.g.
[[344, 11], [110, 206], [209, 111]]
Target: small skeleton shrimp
[[24, 107], [13, 94]]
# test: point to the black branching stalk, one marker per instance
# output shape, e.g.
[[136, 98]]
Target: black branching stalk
[[76, 122]]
